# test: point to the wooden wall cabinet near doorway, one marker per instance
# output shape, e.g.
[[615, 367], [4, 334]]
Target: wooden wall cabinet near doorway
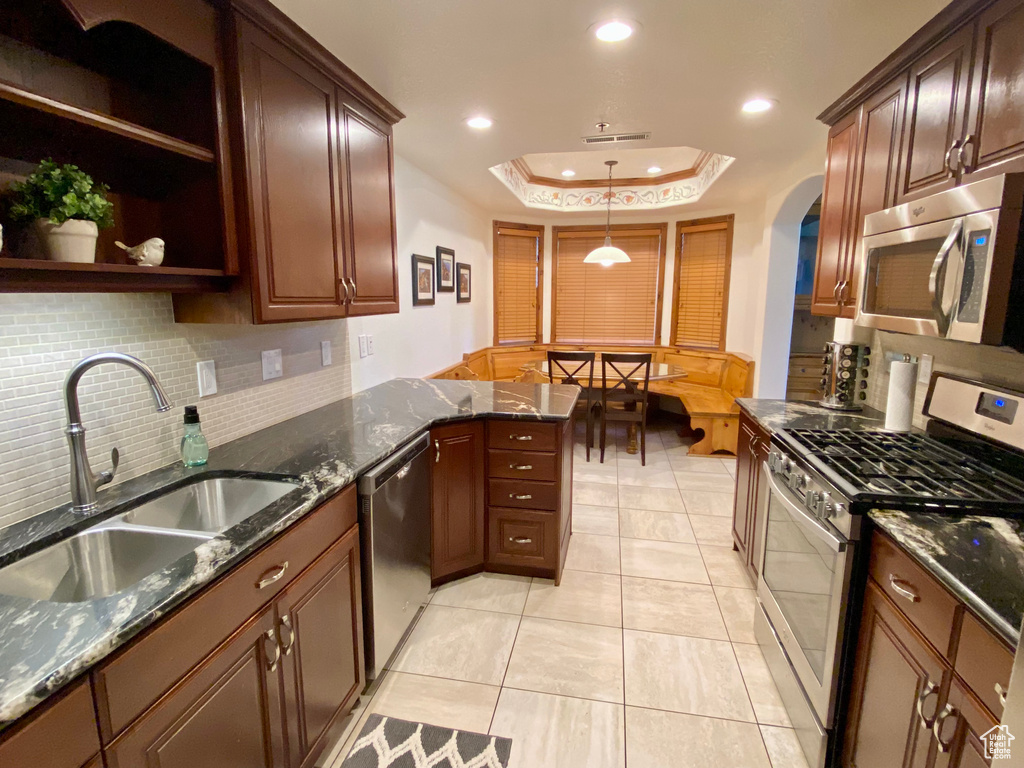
[[314, 169], [751, 492], [941, 111], [458, 493]]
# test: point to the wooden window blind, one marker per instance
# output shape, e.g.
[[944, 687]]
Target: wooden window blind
[[518, 251], [620, 304], [703, 262]]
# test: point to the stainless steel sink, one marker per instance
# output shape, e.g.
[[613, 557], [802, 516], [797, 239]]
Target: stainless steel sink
[[96, 563], [210, 505]]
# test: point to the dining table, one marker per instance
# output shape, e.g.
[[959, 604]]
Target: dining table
[[659, 372]]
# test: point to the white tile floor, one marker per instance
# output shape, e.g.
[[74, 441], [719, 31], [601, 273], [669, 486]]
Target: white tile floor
[[644, 656]]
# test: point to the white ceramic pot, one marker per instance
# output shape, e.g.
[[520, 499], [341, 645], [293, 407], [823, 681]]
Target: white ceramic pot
[[73, 240]]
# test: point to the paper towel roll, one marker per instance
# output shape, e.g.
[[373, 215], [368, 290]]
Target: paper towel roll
[[899, 406]]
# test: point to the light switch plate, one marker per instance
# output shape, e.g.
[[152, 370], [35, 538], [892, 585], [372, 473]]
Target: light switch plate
[[272, 367], [325, 353], [369, 343], [206, 373], [362, 345]]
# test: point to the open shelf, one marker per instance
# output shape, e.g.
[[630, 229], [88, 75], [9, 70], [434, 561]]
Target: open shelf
[[42, 275], [49, 110]]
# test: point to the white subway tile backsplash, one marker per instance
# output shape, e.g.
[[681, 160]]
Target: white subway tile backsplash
[[43, 335]]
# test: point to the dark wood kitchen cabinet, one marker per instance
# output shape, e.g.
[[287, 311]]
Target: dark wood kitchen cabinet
[[62, 734], [458, 494], [958, 730], [751, 492], [314, 167]]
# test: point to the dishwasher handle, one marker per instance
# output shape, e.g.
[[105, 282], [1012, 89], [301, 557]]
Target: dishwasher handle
[[396, 465]]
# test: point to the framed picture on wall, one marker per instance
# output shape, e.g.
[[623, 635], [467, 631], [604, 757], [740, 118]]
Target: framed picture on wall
[[423, 268], [445, 270], [465, 283]]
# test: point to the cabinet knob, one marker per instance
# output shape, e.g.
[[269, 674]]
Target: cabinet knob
[[1001, 693]]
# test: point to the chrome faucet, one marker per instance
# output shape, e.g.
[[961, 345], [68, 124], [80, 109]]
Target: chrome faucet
[[83, 481]]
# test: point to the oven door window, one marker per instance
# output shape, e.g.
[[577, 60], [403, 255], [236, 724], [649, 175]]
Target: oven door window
[[897, 279], [800, 570]]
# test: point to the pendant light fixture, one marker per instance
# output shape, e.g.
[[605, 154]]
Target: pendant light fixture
[[608, 254]]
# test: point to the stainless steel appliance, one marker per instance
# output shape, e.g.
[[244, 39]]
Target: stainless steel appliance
[[949, 265], [844, 376], [1013, 712], [394, 533], [820, 485]]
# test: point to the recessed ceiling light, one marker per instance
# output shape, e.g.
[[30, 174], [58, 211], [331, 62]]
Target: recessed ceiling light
[[654, 169], [758, 105], [613, 31], [480, 123], [568, 173]]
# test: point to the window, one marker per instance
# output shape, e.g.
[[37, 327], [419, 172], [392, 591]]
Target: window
[[518, 259], [703, 262], [620, 304]]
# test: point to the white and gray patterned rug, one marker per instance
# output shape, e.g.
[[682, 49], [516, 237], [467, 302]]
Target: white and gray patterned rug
[[386, 742]]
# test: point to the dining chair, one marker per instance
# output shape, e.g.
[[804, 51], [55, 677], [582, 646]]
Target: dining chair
[[576, 368], [624, 394]]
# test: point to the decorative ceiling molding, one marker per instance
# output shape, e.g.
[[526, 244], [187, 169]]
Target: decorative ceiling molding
[[664, 191]]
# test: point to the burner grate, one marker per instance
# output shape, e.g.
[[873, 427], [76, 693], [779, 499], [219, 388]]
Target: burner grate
[[913, 467]]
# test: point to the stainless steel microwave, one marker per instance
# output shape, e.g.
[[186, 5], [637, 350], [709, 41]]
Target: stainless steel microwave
[[949, 265]]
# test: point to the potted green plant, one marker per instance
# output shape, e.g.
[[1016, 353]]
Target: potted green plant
[[65, 207]]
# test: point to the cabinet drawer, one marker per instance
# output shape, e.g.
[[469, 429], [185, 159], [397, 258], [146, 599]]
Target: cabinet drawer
[[983, 662], [527, 494], [62, 735], [924, 601], [133, 679], [522, 465], [521, 538], [522, 435]]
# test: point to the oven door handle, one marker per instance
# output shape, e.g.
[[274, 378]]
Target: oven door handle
[[834, 542], [937, 286]]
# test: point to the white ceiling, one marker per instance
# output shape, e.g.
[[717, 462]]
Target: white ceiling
[[589, 164], [532, 66]]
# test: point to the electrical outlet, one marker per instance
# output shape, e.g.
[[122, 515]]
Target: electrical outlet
[[924, 369], [325, 353], [206, 373], [272, 367], [369, 343], [362, 345]]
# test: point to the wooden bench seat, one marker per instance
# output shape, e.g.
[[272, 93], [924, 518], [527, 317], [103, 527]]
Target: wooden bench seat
[[707, 395]]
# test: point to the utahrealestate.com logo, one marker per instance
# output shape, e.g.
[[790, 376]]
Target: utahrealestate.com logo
[[997, 742]]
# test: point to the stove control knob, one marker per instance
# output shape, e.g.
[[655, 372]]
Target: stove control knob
[[838, 510], [773, 460], [787, 466], [812, 499], [824, 506], [798, 482]]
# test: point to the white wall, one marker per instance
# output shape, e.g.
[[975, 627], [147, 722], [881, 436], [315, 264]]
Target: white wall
[[418, 341]]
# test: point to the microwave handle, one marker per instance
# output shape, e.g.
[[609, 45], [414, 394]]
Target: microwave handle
[[939, 267]]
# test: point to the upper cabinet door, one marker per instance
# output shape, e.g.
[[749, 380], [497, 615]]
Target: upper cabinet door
[[936, 115], [291, 135], [372, 265], [995, 142], [836, 210]]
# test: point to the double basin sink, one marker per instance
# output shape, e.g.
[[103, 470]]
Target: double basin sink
[[113, 555]]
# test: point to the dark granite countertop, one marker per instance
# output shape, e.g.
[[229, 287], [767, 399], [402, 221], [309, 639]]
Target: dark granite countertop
[[979, 559], [776, 415], [44, 645]]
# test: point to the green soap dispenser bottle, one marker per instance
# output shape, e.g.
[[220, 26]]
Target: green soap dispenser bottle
[[195, 451]]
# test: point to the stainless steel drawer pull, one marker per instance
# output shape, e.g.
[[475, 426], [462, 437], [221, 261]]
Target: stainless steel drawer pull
[[520, 540], [947, 711], [928, 690], [902, 588], [520, 437], [521, 467], [437, 451], [521, 496], [1001, 693], [272, 648], [272, 575], [286, 642]]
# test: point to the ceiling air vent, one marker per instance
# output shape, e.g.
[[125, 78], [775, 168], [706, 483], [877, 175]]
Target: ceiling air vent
[[616, 138]]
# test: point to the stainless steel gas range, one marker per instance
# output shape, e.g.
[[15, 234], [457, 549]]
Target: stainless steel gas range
[[821, 484]]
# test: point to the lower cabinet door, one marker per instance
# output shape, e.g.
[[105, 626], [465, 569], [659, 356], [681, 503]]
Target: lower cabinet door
[[226, 713], [320, 630], [758, 498], [458, 492], [897, 686], [960, 732]]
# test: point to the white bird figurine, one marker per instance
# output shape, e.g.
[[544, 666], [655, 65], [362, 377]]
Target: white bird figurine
[[147, 254]]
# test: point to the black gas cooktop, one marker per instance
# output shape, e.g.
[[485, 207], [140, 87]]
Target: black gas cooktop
[[897, 468]]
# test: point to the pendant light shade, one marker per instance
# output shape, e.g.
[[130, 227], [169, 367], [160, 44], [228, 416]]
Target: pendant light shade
[[608, 254]]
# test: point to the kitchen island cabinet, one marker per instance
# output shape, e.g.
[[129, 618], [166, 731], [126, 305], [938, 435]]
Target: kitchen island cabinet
[[457, 490]]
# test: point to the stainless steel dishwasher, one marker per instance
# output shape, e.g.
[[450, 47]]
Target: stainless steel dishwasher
[[394, 529]]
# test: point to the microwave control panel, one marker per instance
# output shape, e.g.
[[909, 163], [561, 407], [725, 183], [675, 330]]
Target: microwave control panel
[[972, 287]]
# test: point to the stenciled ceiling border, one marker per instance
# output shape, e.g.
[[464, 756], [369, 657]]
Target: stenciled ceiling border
[[634, 197]]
